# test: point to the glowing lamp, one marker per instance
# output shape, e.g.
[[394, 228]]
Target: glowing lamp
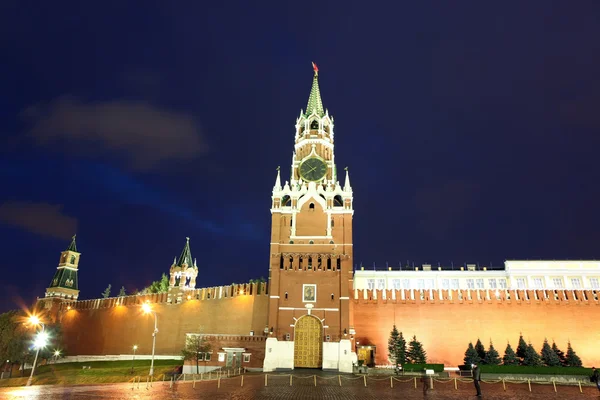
[[135, 347], [189, 297], [41, 340], [56, 353], [146, 308], [34, 320]]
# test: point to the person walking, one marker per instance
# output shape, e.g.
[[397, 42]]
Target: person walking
[[595, 377], [476, 378]]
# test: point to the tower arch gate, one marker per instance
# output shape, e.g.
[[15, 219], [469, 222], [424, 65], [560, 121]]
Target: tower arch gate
[[308, 342]]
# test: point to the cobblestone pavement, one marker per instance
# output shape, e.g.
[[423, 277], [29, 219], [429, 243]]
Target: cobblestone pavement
[[303, 387]]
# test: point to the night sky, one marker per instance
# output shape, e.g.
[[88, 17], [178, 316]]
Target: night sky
[[471, 132]]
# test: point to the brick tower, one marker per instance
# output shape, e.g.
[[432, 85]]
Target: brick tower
[[310, 274]]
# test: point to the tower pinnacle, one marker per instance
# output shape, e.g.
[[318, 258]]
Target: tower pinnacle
[[315, 104], [73, 245]]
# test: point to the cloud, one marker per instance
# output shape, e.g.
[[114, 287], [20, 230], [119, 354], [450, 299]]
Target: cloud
[[442, 206], [41, 218], [144, 134]]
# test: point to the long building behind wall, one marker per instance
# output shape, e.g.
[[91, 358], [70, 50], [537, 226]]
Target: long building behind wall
[[316, 310]]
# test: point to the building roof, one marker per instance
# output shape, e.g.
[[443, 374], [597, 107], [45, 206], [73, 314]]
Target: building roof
[[73, 245], [186, 255], [315, 104]]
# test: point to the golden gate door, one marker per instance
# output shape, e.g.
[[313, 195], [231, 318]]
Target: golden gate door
[[308, 342]]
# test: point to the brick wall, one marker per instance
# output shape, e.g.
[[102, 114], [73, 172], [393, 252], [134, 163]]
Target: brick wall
[[446, 326]]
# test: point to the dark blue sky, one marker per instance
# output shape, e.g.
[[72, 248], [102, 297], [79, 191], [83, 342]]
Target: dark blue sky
[[471, 132]]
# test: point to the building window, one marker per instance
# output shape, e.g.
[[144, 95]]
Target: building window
[[396, 283], [311, 242], [576, 283], [72, 259], [557, 282], [200, 356], [370, 284], [429, 284], [455, 284], [331, 242], [311, 206], [221, 357], [492, 283], [381, 284], [420, 284], [520, 283], [502, 283], [538, 283], [291, 242], [286, 295], [332, 296], [287, 336], [479, 283], [470, 284], [445, 284], [207, 356], [246, 357], [406, 283], [594, 283], [332, 222]]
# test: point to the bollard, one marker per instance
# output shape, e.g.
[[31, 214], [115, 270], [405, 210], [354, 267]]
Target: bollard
[[529, 383], [147, 381], [391, 382], [503, 384], [340, 380], [315, 377], [415, 382], [200, 375], [291, 379], [266, 379], [228, 373], [554, 384], [431, 380], [171, 384], [194, 383], [242, 384], [209, 374], [365, 378], [455, 384], [580, 391]]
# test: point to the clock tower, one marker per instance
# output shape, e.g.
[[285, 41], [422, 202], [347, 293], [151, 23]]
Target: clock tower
[[310, 322]]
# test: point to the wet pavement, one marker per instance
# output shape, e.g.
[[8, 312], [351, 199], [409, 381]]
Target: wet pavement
[[303, 387]]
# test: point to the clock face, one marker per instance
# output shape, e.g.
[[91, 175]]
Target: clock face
[[313, 169]]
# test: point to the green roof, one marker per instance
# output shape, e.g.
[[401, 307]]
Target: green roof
[[73, 245], [65, 278], [186, 255], [315, 104]]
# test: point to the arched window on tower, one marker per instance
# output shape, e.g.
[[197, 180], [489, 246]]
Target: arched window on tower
[[286, 295], [338, 263], [319, 262], [281, 262], [309, 262], [314, 124], [338, 201], [286, 201], [311, 206], [332, 222], [329, 263], [72, 259], [291, 266]]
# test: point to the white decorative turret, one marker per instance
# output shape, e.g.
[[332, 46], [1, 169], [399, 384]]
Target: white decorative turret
[[347, 187], [277, 186]]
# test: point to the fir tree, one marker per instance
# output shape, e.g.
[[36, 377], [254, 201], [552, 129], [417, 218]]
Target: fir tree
[[106, 293], [510, 358], [401, 350], [471, 356], [572, 359], [532, 358], [416, 354], [480, 350], [560, 354], [549, 357], [521, 348], [393, 344], [491, 356], [122, 292]]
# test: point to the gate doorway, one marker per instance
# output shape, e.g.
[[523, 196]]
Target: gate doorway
[[308, 342], [366, 354]]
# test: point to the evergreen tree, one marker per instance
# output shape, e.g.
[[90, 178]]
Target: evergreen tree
[[572, 359], [560, 354], [521, 348], [416, 354], [510, 358], [480, 350], [401, 350], [491, 356], [106, 293], [549, 357], [471, 356], [393, 344], [532, 358], [122, 292]]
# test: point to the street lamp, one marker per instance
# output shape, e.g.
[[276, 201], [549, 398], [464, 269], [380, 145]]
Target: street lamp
[[148, 310], [40, 341], [133, 360], [56, 355]]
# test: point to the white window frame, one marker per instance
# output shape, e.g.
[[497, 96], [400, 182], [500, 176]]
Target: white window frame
[[594, 283], [492, 283], [470, 283], [207, 356], [445, 283], [521, 283], [576, 283], [221, 357], [429, 284], [557, 283], [538, 283], [380, 283], [370, 284], [479, 283], [246, 357], [397, 284]]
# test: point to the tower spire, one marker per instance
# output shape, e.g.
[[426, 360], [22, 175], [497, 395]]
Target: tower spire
[[347, 186], [186, 255], [314, 100], [277, 186], [73, 245]]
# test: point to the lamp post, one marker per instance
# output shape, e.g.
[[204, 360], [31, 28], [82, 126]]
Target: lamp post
[[148, 310], [56, 355], [133, 360], [40, 341]]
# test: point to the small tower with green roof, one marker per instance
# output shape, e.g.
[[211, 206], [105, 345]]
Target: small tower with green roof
[[64, 284]]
